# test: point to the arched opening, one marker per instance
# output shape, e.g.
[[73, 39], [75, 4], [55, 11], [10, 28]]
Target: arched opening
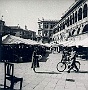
[[78, 31], [68, 22], [58, 38], [73, 32], [76, 16], [80, 14], [69, 34], [60, 27], [63, 25], [85, 11], [85, 29]]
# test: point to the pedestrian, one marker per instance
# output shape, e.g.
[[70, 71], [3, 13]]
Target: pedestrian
[[51, 49], [35, 62], [73, 60]]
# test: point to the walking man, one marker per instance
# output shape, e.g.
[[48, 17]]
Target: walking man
[[73, 59], [34, 59], [35, 62]]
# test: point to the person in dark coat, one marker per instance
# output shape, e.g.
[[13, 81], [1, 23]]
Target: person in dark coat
[[35, 62]]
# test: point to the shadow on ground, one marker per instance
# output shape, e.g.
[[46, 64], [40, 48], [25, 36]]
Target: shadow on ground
[[79, 72], [71, 80], [2, 88], [8, 89], [48, 72], [83, 72]]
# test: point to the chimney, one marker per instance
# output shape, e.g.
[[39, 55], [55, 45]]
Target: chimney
[[18, 25], [25, 27]]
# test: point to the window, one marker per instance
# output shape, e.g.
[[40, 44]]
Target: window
[[80, 14], [45, 33], [68, 22], [73, 32], [71, 20], [23, 33], [46, 25], [69, 34], [51, 26], [85, 11], [76, 16], [85, 29], [60, 27], [63, 25]]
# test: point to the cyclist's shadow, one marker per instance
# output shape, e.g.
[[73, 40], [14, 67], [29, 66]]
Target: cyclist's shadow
[[52, 72], [81, 71]]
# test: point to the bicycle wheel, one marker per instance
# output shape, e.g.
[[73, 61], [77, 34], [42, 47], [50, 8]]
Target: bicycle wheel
[[78, 65], [61, 66]]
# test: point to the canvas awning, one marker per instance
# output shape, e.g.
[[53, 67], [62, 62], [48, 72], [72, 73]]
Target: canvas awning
[[10, 39], [66, 43], [83, 43], [47, 45]]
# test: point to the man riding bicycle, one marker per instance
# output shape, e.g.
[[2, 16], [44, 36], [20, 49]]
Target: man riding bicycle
[[65, 56]]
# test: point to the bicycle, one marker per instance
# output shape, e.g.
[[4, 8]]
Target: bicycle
[[61, 66]]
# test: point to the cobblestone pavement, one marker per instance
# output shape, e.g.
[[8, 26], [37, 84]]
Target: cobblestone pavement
[[47, 77]]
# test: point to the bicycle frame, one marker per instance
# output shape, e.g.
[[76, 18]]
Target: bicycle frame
[[68, 63]]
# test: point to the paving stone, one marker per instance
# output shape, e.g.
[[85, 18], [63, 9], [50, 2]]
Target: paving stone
[[47, 77]]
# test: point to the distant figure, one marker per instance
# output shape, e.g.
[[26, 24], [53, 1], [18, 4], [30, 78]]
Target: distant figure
[[64, 57], [73, 59], [58, 49], [51, 49]]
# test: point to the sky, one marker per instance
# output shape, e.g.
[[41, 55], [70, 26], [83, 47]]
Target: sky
[[27, 12]]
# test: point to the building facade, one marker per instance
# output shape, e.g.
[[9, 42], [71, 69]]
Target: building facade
[[73, 24], [45, 30], [19, 32]]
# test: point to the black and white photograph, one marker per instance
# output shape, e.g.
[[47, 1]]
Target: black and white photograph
[[43, 44]]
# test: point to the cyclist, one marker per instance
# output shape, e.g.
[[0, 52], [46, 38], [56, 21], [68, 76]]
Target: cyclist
[[65, 56], [73, 59]]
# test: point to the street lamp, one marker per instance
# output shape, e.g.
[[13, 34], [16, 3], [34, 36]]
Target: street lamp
[[1, 28]]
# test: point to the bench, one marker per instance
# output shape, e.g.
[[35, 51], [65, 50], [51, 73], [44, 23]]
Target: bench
[[9, 75]]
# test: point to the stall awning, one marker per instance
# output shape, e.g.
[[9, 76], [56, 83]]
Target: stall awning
[[83, 43], [10, 39], [77, 43]]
